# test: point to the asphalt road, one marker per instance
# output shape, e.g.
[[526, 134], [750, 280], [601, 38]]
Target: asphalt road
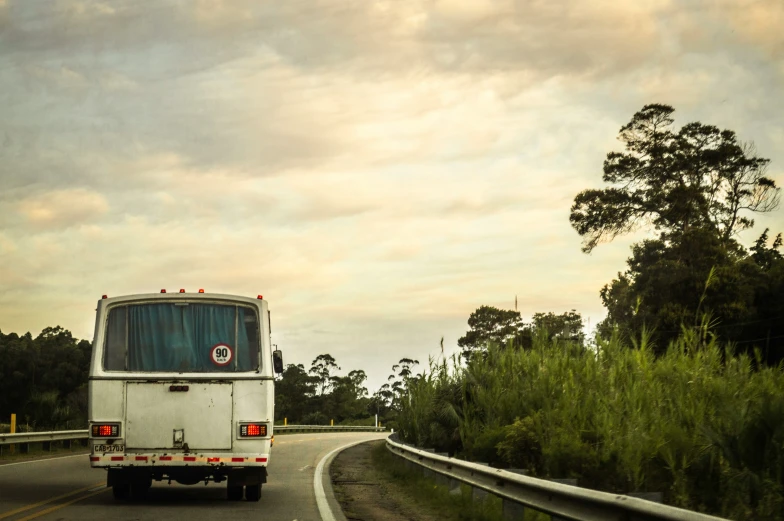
[[67, 488]]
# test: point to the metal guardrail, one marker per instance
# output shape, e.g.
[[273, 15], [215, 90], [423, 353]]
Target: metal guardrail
[[44, 437], [563, 501], [325, 428]]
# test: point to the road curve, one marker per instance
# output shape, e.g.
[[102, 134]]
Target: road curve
[[68, 489]]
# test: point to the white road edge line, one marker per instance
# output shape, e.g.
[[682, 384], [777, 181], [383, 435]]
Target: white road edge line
[[4, 465], [318, 483]]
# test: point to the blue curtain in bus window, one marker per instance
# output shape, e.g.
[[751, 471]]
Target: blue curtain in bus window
[[211, 325], [165, 337], [247, 343], [114, 352], [158, 339]]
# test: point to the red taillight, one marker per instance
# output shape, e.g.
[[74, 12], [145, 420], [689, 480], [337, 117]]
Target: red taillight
[[110, 430], [182, 291], [213, 460], [253, 430], [201, 291], [103, 296], [261, 297], [163, 291]]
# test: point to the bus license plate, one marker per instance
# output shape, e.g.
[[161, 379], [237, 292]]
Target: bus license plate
[[108, 448]]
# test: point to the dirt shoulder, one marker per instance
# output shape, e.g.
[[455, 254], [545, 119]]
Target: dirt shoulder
[[367, 493]]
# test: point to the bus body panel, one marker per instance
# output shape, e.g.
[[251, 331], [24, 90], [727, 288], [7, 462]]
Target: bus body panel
[[159, 418], [110, 407]]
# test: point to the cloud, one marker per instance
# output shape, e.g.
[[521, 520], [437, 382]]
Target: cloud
[[377, 169], [63, 208]]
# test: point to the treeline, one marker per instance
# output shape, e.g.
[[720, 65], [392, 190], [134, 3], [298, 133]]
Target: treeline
[[318, 395], [44, 379]]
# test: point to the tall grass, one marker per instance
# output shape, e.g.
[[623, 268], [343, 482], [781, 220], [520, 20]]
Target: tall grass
[[701, 425]]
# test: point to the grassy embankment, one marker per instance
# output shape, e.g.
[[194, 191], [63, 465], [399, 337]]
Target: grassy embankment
[[698, 424]]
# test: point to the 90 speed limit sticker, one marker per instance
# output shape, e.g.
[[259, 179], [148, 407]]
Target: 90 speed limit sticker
[[221, 354]]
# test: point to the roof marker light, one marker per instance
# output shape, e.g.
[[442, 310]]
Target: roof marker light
[[163, 291], [103, 296], [182, 291], [260, 297], [201, 291]]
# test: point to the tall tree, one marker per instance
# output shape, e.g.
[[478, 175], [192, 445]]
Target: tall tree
[[490, 324], [322, 368], [293, 393], [697, 187], [568, 326], [699, 176]]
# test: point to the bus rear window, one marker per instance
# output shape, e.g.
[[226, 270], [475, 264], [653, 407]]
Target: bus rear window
[[182, 338]]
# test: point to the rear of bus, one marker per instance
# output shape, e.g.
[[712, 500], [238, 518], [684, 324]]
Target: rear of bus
[[181, 389]]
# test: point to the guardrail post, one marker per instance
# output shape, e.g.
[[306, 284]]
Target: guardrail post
[[512, 511], [567, 481], [455, 487], [426, 472], [439, 478], [47, 446], [478, 493], [24, 448]]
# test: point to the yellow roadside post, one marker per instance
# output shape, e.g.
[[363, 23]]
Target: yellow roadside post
[[331, 423], [285, 421], [13, 430]]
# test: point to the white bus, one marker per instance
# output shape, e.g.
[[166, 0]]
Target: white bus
[[182, 389]]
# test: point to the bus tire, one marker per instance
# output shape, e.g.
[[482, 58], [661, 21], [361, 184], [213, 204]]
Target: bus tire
[[253, 492], [120, 490], [234, 493]]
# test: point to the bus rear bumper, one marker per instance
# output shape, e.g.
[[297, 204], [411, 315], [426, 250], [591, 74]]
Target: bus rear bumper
[[217, 460]]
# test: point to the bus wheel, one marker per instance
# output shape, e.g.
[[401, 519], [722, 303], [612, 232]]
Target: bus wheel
[[234, 493], [253, 492], [120, 490]]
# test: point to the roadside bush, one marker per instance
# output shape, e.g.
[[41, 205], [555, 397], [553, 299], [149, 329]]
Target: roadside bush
[[698, 423]]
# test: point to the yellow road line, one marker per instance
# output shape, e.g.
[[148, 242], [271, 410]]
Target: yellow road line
[[61, 505], [46, 501]]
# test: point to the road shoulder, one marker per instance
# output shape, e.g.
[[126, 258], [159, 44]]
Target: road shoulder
[[367, 493]]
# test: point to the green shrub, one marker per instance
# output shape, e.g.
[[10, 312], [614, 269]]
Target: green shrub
[[699, 424]]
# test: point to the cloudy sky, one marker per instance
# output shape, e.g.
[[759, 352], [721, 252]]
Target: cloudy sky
[[376, 169]]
